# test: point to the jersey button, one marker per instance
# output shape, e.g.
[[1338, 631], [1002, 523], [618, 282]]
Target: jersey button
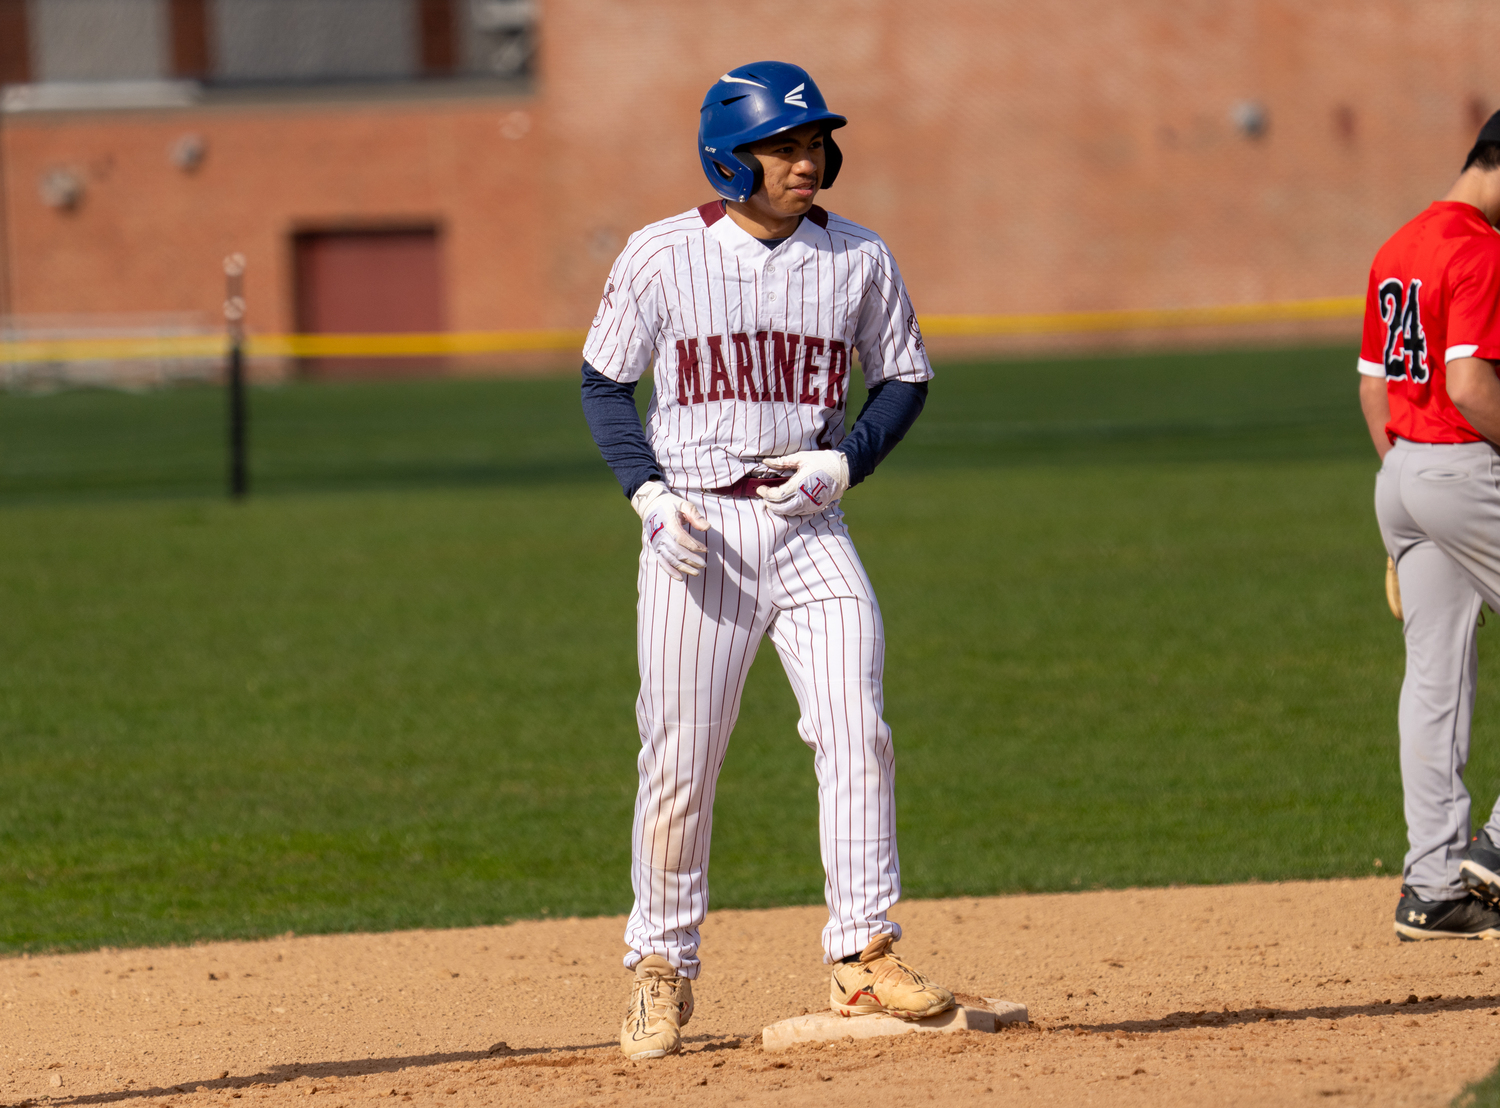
[[770, 296]]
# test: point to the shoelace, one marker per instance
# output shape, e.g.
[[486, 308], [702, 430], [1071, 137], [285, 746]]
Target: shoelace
[[658, 1006], [896, 967]]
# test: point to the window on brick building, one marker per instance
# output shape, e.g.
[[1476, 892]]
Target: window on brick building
[[95, 40], [239, 44], [15, 58]]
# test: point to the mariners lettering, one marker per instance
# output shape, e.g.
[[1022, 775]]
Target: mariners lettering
[[783, 365], [689, 381], [717, 370], [810, 346], [817, 374], [838, 373], [744, 367]]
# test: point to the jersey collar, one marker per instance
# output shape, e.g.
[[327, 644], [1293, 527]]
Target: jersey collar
[[1461, 207], [745, 245]]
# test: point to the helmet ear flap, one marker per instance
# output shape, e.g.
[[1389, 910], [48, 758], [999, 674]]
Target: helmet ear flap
[[749, 177], [730, 176], [833, 159]]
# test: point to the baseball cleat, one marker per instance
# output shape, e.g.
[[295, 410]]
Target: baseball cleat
[[881, 982], [1480, 870], [660, 1003], [1465, 918]]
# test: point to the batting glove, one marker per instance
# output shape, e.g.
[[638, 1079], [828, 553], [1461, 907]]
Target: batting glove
[[820, 477], [663, 514]]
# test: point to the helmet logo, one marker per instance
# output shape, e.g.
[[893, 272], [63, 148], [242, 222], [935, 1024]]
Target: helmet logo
[[795, 96], [743, 81]]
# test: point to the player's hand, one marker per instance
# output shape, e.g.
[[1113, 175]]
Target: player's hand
[[819, 477], [664, 515]]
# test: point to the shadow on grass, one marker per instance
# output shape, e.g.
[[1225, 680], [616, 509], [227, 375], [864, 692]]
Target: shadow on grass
[[441, 433], [413, 477]]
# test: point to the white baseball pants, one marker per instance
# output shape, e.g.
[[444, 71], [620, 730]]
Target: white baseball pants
[[1439, 510], [801, 582]]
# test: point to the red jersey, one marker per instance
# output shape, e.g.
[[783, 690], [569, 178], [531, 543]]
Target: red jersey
[[1434, 296]]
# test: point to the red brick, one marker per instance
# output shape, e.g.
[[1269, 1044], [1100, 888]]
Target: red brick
[[1018, 156]]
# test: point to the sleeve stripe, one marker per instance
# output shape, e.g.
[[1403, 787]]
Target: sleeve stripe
[[1466, 351], [1368, 368]]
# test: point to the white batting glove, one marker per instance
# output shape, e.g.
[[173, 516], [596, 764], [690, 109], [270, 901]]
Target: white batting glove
[[820, 477], [663, 514]]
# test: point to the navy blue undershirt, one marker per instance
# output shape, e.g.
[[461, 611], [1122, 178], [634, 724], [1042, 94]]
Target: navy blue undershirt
[[609, 406], [889, 411]]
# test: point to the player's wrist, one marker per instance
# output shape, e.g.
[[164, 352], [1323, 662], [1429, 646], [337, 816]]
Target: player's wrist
[[841, 460], [836, 461], [647, 495], [847, 453]]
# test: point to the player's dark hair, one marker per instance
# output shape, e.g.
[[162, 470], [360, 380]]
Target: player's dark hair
[[1485, 155]]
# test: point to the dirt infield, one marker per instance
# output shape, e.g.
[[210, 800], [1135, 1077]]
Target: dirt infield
[[1250, 994]]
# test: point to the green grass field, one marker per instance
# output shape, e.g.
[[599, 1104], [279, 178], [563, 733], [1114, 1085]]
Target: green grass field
[[1134, 611], [1484, 1093]]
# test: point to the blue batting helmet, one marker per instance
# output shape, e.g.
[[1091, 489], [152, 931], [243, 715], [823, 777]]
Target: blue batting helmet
[[754, 102]]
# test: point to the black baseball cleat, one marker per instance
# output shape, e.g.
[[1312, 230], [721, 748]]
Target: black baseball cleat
[[1480, 869], [1465, 918]]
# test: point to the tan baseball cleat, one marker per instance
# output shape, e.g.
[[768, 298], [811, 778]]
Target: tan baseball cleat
[[660, 1003], [881, 982]]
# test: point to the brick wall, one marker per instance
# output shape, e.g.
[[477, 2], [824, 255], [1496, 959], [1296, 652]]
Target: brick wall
[[148, 236], [1017, 156]]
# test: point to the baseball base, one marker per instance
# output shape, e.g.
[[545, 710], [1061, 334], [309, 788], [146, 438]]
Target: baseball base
[[829, 1026]]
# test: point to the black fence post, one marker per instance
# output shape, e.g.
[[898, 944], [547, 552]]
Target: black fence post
[[234, 316]]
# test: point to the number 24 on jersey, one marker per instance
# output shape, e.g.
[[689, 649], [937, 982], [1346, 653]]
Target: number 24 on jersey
[[1405, 341]]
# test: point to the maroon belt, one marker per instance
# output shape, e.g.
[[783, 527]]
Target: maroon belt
[[745, 487]]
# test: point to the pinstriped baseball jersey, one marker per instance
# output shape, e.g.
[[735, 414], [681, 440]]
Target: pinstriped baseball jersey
[[752, 347]]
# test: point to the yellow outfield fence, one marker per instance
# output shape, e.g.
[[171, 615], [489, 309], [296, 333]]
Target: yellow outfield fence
[[1144, 319], [205, 346]]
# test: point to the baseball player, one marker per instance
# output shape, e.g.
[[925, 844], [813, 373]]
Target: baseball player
[[1431, 397], [751, 310]]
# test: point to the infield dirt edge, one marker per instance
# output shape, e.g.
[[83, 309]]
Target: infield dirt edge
[[1235, 994]]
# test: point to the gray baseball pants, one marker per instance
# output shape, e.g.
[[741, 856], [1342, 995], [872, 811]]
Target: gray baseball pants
[[1439, 510]]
